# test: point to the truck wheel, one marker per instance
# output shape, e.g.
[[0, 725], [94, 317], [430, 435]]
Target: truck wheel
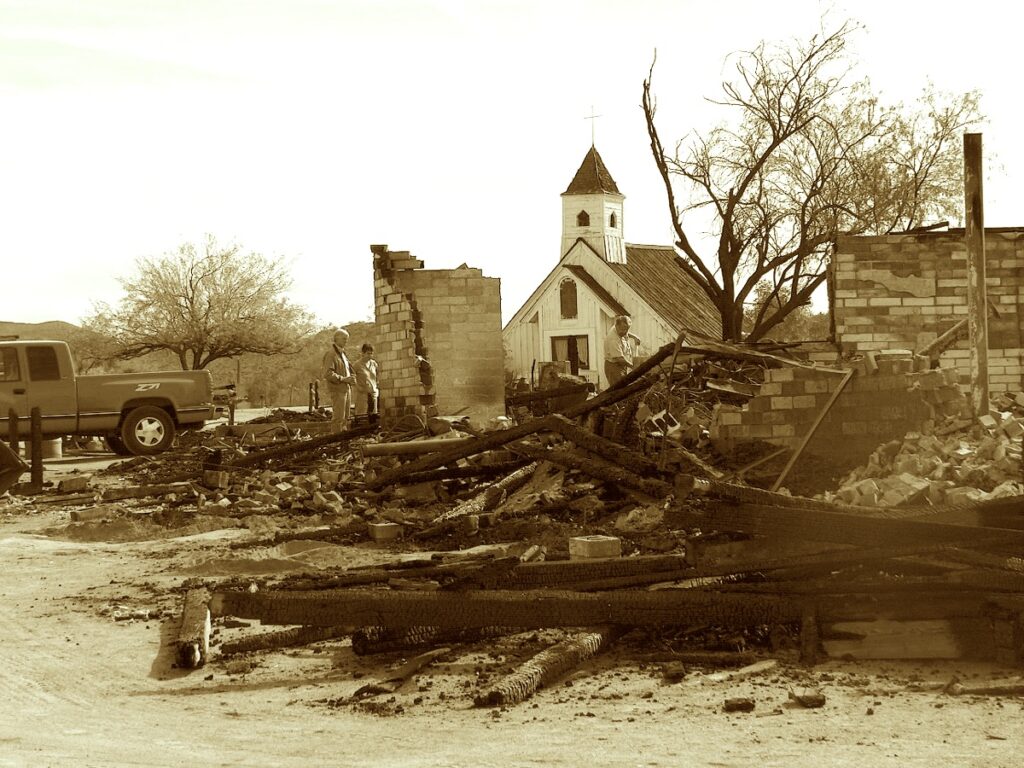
[[116, 445], [147, 430]]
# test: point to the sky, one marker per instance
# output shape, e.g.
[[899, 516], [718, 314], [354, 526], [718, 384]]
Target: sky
[[310, 129]]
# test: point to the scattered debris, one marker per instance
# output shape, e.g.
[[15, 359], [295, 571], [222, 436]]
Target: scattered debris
[[612, 511]]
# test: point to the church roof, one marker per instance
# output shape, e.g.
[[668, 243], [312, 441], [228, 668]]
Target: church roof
[[592, 176], [654, 272]]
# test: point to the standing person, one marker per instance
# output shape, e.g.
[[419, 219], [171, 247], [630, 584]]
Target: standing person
[[337, 371], [620, 350], [366, 391]]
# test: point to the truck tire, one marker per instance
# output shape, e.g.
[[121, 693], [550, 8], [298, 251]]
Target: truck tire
[[147, 430], [116, 445]]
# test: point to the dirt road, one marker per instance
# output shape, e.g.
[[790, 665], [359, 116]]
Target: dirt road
[[85, 684]]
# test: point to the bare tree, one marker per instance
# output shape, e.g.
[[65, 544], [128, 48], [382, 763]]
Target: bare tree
[[808, 156], [203, 304]]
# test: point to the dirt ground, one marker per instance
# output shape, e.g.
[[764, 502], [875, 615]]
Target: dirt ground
[[86, 612]]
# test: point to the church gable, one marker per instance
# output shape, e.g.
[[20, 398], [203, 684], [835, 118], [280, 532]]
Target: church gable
[[598, 277]]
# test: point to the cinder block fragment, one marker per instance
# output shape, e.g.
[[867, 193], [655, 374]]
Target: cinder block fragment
[[213, 478], [70, 484], [988, 422], [584, 547], [384, 531]]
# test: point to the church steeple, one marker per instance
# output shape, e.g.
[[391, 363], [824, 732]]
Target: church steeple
[[592, 209], [593, 176]]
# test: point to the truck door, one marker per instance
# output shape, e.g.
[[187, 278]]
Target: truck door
[[12, 386], [51, 388]]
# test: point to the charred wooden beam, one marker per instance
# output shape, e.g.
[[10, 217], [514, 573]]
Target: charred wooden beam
[[545, 394], [303, 446], [412, 446], [284, 638], [837, 527], [192, 644], [460, 473], [547, 666], [598, 469], [606, 449], [490, 496], [372, 640], [145, 491], [526, 609], [550, 572], [450, 456]]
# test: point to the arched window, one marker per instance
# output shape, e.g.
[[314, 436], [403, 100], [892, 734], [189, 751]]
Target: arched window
[[582, 219], [613, 220], [567, 299]]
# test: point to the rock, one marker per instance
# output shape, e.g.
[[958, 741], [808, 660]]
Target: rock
[[71, 484], [742, 704], [673, 672], [808, 698]]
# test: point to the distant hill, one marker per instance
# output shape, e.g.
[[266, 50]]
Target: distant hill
[[53, 329]]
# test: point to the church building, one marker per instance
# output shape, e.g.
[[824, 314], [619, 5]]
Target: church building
[[598, 277]]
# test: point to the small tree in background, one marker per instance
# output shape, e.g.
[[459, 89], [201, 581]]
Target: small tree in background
[[799, 324], [203, 304]]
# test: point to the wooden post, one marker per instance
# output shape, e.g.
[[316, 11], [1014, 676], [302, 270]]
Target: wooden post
[[12, 429], [974, 238], [813, 428], [37, 450]]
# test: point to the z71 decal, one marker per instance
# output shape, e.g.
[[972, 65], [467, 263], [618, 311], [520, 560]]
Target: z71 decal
[[147, 387]]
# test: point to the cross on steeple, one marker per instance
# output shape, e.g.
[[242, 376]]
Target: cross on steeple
[[593, 120]]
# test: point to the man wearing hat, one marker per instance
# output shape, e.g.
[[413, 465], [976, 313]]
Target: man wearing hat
[[337, 371]]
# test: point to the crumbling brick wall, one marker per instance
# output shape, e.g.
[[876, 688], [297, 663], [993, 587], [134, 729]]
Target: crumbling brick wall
[[903, 291], [874, 407], [440, 331]]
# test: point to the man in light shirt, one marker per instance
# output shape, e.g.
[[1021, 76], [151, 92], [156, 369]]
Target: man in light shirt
[[337, 370], [620, 350]]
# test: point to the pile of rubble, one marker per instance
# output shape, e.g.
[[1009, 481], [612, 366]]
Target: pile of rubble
[[611, 514], [960, 462]]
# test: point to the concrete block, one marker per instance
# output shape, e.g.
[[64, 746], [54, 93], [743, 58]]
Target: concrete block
[[102, 512], [329, 477], [213, 478], [584, 547], [988, 422], [70, 484], [384, 531]]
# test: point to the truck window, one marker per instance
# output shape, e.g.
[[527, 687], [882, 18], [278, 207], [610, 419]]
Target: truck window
[[42, 364], [9, 365]]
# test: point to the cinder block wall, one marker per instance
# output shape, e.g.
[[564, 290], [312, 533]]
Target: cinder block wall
[[903, 291], [406, 388], [873, 408], [451, 318]]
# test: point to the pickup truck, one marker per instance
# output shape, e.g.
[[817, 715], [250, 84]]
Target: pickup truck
[[137, 413]]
